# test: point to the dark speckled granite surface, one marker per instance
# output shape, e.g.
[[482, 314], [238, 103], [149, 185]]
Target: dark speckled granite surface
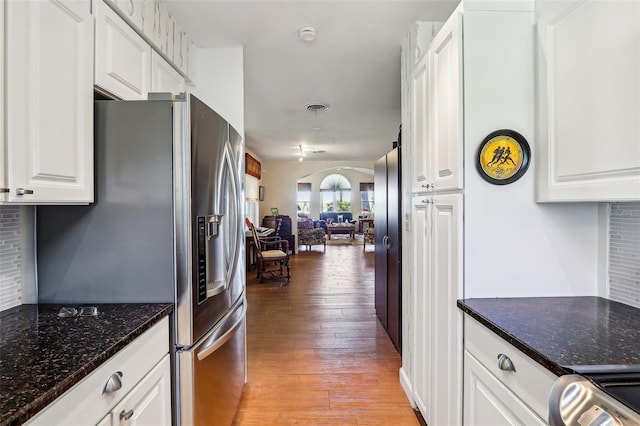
[[564, 334], [42, 355]]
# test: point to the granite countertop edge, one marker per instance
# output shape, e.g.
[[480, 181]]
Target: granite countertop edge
[[513, 340], [30, 409]]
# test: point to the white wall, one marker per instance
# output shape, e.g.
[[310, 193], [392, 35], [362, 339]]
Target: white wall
[[514, 246], [220, 83], [280, 179]]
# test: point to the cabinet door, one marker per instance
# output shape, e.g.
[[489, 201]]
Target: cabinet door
[[3, 186], [420, 328], [445, 133], [122, 57], [164, 78], [49, 101], [488, 402], [149, 403], [446, 318], [588, 101], [420, 126]]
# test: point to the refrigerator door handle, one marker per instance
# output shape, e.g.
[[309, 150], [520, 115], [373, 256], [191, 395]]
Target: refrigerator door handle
[[215, 344], [235, 191]]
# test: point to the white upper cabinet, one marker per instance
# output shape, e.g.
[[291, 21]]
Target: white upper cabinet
[[48, 115], [588, 106], [436, 112], [445, 147], [164, 78], [122, 65], [420, 126], [4, 189]]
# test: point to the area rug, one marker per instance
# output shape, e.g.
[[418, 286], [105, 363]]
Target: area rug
[[345, 240]]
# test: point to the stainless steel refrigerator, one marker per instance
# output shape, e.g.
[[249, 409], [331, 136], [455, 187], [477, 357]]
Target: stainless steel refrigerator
[[166, 226]]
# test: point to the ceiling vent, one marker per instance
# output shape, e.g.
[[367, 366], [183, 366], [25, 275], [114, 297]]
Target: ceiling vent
[[316, 107]]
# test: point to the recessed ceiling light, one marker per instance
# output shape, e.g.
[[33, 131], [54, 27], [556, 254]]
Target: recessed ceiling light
[[307, 33]]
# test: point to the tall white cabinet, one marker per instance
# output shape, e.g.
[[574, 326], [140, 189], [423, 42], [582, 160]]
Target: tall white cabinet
[[48, 115], [432, 361]]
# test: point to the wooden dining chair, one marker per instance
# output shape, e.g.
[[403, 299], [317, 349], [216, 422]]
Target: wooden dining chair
[[272, 255]]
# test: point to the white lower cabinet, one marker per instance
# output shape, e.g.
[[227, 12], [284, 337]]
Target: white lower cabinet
[[436, 371], [488, 402], [122, 57], [502, 385], [133, 387]]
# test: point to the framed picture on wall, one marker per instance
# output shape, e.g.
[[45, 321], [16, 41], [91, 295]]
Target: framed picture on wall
[[261, 193], [274, 211]]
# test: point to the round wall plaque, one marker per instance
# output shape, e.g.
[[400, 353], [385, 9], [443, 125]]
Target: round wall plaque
[[503, 157]]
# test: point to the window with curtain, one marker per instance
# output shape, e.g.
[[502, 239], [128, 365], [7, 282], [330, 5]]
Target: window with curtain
[[304, 197], [335, 194], [367, 197]]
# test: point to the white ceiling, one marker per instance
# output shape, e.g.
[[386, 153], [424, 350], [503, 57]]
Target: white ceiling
[[353, 66]]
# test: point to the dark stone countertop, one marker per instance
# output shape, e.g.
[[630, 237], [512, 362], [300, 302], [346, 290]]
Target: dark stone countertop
[[563, 334], [42, 355]]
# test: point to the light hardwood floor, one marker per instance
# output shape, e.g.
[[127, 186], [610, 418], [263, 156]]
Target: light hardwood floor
[[316, 352]]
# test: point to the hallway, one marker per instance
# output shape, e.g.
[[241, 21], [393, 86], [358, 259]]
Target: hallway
[[316, 352]]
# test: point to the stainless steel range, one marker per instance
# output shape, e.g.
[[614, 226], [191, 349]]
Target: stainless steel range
[[599, 396]]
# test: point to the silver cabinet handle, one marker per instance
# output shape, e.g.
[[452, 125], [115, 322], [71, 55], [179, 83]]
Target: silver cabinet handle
[[114, 383], [4, 190], [22, 191], [505, 363], [126, 415]]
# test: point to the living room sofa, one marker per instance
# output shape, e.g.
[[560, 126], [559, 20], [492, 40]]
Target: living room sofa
[[346, 217]]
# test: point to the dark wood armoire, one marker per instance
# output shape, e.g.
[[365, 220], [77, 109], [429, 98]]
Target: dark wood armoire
[[388, 247]]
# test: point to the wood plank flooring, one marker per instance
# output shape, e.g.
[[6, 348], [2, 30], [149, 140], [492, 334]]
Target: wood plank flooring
[[316, 353]]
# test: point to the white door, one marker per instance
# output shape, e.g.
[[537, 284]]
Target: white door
[[164, 78], [490, 403], [3, 173], [149, 403], [446, 318], [49, 101], [419, 95], [421, 373], [123, 58], [445, 148]]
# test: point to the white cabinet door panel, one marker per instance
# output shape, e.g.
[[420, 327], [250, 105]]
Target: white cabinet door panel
[[3, 173], [164, 78], [420, 111], [446, 106], [122, 56], [588, 101], [421, 373], [149, 403], [49, 101], [489, 403]]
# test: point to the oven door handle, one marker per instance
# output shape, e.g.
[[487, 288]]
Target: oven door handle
[[214, 342]]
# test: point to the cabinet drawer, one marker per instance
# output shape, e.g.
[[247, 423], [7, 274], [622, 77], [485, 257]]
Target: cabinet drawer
[[490, 402], [86, 402], [530, 381]]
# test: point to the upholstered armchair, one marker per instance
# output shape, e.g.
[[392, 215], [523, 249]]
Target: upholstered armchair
[[310, 236]]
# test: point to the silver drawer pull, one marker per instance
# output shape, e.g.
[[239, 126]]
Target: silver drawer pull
[[505, 363], [114, 383], [22, 191], [126, 415]]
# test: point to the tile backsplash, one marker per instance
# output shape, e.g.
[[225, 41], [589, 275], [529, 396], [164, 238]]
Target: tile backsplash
[[624, 253], [10, 257]]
